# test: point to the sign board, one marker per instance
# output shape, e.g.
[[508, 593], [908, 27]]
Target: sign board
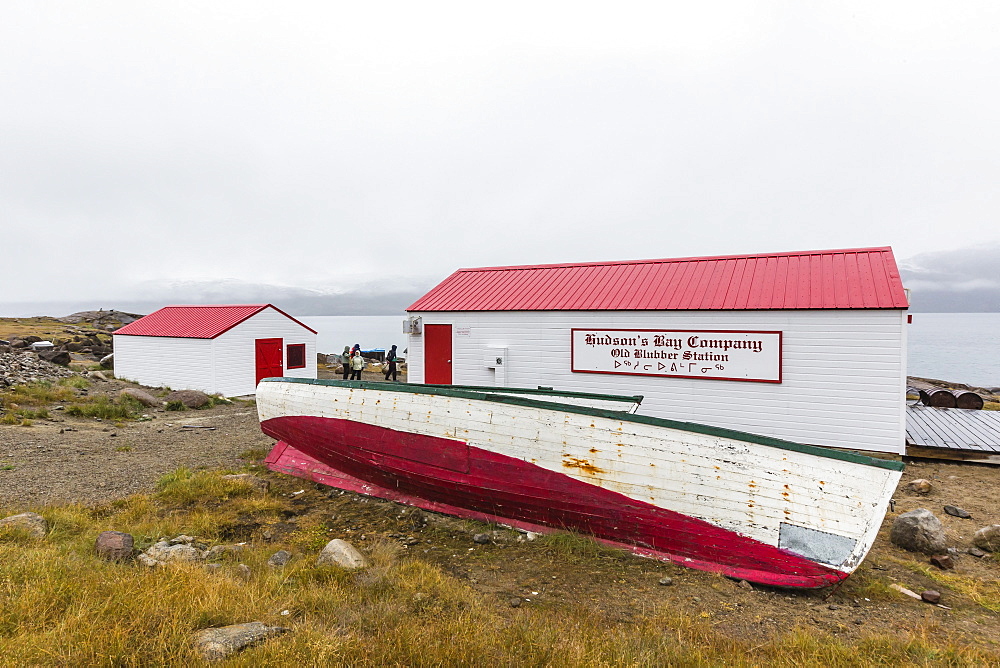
[[716, 354]]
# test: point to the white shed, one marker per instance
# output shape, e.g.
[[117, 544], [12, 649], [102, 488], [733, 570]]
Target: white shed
[[806, 346], [216, 349]]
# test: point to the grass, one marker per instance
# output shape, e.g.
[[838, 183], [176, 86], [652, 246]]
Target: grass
[[62, 605], [106, 408], [21, 404]]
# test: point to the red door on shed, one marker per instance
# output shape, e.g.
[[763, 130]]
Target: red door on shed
[[269, 358], [437, 356]]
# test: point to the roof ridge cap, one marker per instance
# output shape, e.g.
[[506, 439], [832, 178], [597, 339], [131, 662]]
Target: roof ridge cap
[[739, 256]]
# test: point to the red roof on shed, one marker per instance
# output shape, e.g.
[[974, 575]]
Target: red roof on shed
[[859, 278], [196, 322]]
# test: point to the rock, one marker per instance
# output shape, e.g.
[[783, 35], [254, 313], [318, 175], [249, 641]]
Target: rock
[[243, 571], [930, 596], [258, 484], [148, 561], [108, 361], [279, 558], [213, 568], [988, 538], [143, 397], [60, 357], [743, 584], [919, 531], [341, 553], [190, 398], [943, 561], [482, 539], [182, 539], [955, 511], [666, 581], [32, 523], [115, 545], [976, 552], [165, 552], [920, 486], [97, 375], [222, 642]]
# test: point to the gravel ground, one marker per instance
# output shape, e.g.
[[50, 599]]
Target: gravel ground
[[83, 459]]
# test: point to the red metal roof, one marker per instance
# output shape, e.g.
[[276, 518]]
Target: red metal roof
[[196, 322], [859, 278]]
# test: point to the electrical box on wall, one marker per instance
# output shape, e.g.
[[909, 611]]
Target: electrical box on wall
[[411, 325], [494, 358]]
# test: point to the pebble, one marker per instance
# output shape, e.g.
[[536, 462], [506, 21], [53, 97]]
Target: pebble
[[931, 596], [482, 539], [666, 581], [943, 561]]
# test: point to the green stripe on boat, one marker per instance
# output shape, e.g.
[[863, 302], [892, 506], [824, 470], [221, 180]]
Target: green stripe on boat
[[487, 394]]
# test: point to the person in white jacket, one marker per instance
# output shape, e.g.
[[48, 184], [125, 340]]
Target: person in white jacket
[[357, 364]]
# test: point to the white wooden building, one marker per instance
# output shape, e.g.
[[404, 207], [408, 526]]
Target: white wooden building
[[215, 349], [807, 346]]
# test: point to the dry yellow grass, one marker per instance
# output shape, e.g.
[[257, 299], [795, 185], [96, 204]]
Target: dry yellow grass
[[62, 605]]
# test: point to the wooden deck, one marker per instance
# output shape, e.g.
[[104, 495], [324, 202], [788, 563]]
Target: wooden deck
[[953, 433]]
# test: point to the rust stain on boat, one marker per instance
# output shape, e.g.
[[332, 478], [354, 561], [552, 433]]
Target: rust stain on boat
[[594, 450], [584, 465]]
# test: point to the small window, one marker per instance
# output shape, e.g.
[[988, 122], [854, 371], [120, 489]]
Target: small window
[[296, 355]]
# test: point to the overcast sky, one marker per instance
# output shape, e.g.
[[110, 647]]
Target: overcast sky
[[146, 145]]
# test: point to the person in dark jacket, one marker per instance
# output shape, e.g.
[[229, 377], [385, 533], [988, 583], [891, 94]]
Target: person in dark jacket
[[390, 370]]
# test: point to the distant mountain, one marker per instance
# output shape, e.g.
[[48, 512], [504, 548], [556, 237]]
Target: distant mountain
[[966, 280], [365, 300]]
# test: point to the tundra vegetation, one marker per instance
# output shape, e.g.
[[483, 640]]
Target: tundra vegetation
[[61, 604]]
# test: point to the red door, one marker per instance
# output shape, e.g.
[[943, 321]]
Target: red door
[[269, 358], [437, 355]]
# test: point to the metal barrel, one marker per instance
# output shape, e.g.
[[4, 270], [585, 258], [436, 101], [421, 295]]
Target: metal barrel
[[916, 391], [940, 398], [967, 399]]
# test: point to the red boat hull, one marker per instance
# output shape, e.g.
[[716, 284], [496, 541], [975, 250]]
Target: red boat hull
[[447, 475]]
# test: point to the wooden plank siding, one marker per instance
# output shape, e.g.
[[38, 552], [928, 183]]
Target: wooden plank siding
[[843, 385], [224, 365]]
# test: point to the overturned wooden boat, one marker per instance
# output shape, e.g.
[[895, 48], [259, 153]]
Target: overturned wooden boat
[[752, 507]]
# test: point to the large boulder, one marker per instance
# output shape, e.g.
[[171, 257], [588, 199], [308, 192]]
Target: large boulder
[[60, 357], [165, 552], [115, 545], [33, 523], [190, 398], [919, 531]]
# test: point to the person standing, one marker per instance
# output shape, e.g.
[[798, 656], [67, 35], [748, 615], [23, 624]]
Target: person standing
[[357, 364], [390, 370], [345, 360]]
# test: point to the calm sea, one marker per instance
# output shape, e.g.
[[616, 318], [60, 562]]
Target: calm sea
[[371, 331], [959, 347]]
